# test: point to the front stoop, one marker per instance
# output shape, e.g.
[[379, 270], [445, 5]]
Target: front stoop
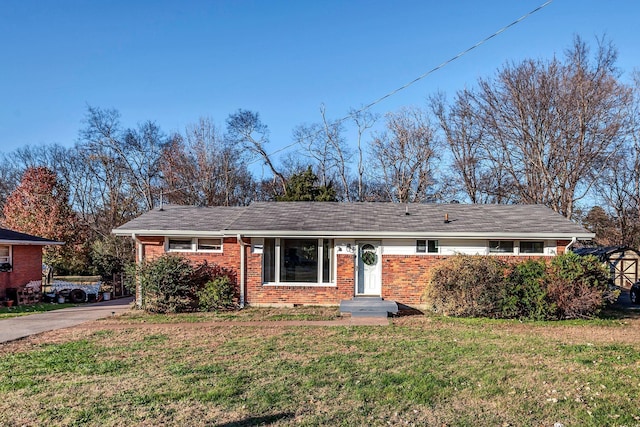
[[368, 307]]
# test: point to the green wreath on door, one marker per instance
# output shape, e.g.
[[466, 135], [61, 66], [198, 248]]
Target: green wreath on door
[[369, 257]]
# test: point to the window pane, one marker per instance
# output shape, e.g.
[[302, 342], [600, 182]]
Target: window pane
[[269, 260], [209, 244], [327, 256], [531, 247], [421, 246], [180, 244], [4, 251], [433, 247], [500, 246], [298, 260]]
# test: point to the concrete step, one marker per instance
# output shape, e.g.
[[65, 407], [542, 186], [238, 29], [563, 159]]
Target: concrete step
[[368, 307]]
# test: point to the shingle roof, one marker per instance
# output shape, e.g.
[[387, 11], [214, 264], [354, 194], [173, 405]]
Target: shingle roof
[[182, 218], [14, 237], [297, 218]]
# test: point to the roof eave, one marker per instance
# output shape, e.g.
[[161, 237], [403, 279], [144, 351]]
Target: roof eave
[[29, 242], [176, 233], [412, 234]]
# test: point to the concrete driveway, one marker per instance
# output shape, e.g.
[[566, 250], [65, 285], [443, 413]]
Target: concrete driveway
[[24, 326]]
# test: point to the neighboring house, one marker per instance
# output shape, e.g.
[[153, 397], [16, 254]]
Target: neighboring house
[[289, 253], [20, 259]]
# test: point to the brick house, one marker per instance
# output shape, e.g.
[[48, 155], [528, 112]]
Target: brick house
[[321, 253], [20, 259]]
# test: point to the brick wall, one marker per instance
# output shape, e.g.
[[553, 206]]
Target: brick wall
[[153, 247], [259, 294], [404, 277], [27, 266]]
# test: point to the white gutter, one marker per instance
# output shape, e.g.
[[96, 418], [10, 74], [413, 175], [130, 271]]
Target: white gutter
[[573, 241], [413, 234], [242, 262]]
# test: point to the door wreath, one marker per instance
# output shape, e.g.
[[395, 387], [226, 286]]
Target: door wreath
[[368, 255]]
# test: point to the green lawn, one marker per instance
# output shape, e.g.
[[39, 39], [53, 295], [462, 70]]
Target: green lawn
[[23, 310], [422, 370]]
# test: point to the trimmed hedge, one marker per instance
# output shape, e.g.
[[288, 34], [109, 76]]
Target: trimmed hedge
[[567, 287]]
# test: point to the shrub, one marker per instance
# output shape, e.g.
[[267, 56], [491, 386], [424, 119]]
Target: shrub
[[578, 286], [166, 284], [171, 284], [524, 295], [217, 294], [466, 286]]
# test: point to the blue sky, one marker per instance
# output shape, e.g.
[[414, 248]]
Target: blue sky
[[175, 61]]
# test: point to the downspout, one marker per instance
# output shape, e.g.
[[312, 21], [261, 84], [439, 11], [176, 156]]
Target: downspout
[[571, 243], [138, 249], [242, 276]]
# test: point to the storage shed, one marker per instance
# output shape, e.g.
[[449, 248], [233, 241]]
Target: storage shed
[[622, 262]]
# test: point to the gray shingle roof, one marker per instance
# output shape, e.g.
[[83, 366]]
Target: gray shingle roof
[[14, 237], [182, 218], [297, 218]]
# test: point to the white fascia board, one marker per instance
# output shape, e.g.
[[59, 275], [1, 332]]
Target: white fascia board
[[173, 233], [413, 235], [28, 243]]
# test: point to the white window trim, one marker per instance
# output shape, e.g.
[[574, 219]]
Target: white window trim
[[8, 259], [194, 245], [544, 245], [512, 253], [320, 283], [426, 248]]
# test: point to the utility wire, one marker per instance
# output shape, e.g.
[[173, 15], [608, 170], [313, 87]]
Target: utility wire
[[417, 79], [401, 88]]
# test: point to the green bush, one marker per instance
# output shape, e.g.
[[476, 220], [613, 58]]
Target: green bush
[[217, 294], [466, 286], [524, 295], [578, 286], [567, 287], [165, 284], [172, 284]]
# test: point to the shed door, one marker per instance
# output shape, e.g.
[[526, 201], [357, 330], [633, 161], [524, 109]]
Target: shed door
[[369, 269]]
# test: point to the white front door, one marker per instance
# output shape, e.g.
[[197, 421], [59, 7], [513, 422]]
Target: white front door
[[369, 269]]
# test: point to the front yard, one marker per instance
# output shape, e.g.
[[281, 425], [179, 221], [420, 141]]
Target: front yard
[[420, 370]]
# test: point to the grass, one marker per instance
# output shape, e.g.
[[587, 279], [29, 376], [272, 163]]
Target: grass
[[23, 310], [247, 314], [421, 370]]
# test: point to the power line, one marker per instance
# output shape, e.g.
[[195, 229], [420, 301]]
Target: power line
[[417, 79], [401, 88]]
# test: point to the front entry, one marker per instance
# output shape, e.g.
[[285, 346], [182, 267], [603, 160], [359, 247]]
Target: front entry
[[369, 268]]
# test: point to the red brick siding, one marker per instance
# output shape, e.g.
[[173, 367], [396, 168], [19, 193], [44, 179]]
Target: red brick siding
[[153, 247], [404, 277], [561, 246], [260, 294], [27, 266]]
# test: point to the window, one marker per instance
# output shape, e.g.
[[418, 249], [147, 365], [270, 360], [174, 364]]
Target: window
[[297, 261], [531, 247], [427, 246], [210, 245], [5, 254], [501, 246], [180, 245]]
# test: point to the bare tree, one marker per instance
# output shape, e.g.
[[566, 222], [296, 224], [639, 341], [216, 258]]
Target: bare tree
[[205, 169], [546, 129], [325, 144], [404, 156], [246, 129], [364, 121]]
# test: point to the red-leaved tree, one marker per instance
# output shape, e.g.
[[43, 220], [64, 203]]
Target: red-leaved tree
[[39, 205]]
